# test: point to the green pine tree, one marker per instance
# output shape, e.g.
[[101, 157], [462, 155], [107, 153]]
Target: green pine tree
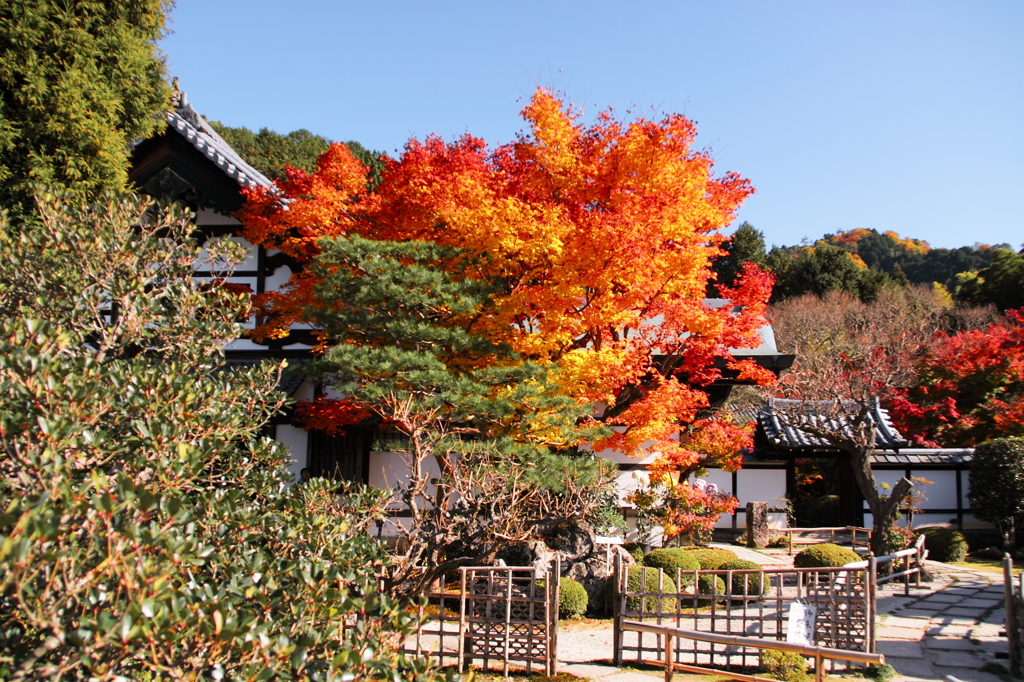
[[491, 446]]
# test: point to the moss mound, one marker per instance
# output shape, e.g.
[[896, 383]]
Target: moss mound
[[710, 558], [944, 544], [825, 555], [650, 604], [746, 583], [671, 561], [572, 599]]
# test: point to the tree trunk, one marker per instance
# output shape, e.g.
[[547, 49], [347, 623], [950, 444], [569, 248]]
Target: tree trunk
[[883, 509]]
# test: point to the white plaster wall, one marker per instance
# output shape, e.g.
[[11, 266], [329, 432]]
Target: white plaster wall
[[940, 493], [293, 438], [207, 217], [762, 485], [390, 470], [251, 261]]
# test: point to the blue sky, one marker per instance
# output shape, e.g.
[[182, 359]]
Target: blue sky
[[905, 116]]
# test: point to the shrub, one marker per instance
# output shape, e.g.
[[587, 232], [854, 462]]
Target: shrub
[[997, 485], [650, 604], [746, 583], [821, 511], [944, 544], [672, 560], [825, 555], [710, 558], [784, 665], [572, 599], [635, 551], [883, 672]]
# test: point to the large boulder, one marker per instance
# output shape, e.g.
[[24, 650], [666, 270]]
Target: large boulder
[[583, 560]]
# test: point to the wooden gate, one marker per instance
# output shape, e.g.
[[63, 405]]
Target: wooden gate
[[505, 614], [509, 614]]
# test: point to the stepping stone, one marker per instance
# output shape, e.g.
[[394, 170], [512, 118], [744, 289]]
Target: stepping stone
[[957, 659], [904, 622], [958, 611], [943, 597], [900, 649], [980, 603], [949, 643], [949, 630]]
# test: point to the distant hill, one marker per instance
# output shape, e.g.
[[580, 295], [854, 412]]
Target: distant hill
[[864, 261]]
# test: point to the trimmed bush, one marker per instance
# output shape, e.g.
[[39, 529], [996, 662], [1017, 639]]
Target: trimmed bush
[[710, 558], [671, 560], [747, 583], [650, 604], [572, 599], [997, 486], [784, 665], [825, 555], [944, 544], [635, 551]]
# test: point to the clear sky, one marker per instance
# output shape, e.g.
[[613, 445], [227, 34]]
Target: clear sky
[[905, 116]]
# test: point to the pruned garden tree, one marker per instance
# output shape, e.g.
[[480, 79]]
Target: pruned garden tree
[[489, 444], [595, 243], [148, 530], [996, 488], [849, 356]]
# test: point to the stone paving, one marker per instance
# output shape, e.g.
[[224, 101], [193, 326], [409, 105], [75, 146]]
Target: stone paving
[[951, 627]]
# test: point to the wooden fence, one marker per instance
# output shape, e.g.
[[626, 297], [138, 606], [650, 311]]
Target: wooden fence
[[820, 654], [755, 602], [496, 615]]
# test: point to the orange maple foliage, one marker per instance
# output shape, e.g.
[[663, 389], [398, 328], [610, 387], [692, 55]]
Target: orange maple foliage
[[601, 235]]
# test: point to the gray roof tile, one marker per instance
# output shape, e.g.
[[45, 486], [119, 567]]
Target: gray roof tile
[[189, 124], [777, 419]]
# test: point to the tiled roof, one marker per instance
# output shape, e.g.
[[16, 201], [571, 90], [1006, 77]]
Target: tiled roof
[[189, 124], [777, 416], [912, 456]]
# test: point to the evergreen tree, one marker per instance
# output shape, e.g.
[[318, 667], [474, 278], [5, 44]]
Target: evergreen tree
[[79, 81], [1000, 284], [269, 152], [491, 452], [746, 246]]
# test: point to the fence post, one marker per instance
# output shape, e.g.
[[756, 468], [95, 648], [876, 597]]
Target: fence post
[[553, 605], [617, 617], [872, 588], [669, 657], [462, 620], [1012, 632]]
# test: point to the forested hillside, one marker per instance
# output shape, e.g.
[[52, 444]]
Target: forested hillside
[[863, 262]]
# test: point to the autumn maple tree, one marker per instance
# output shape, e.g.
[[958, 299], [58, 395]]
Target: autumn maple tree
[[970, 387], [599, 236]]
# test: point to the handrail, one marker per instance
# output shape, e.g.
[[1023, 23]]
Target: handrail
[[818, 652], [831, 530]]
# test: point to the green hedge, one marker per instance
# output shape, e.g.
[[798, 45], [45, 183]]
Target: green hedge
[[710, 558], [944, 544], [572, 599], [746, 583], [825, 555], [673, 559]]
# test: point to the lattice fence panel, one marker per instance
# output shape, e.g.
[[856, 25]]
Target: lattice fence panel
[[756, 603]]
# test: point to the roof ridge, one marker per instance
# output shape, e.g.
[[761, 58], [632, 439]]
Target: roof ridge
[[196, 130]]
